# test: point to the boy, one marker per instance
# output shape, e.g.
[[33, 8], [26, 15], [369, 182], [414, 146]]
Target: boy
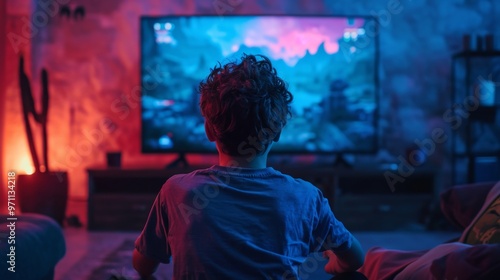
[[241, 219]]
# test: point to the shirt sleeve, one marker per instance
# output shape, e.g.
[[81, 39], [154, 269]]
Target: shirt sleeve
[[152, 242], [329, 233]]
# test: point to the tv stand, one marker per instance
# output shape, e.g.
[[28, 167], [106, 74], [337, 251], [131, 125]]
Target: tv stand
[[121, 199], [340, 161], [180, 161]]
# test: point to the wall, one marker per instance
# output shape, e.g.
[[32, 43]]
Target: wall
[[13, 144], [3, 23], [93, 63]]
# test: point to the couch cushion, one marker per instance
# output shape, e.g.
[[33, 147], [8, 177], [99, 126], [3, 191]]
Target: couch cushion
[[485, 227], [384, 264], [39, 245], [455, 261], [461, 204], [474, 207]]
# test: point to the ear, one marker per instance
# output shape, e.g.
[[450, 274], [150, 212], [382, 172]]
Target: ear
[[277, 137], [209, 132]]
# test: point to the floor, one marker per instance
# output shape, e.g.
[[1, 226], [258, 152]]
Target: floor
[[85, 249]]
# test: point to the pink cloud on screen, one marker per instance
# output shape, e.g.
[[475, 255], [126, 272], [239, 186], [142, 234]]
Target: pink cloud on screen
[[290, 38]]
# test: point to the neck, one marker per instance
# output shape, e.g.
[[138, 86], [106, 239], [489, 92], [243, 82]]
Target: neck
[[259, 161], [253, 161]]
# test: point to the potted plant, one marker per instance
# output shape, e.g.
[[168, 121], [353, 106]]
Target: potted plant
[[44, 191]]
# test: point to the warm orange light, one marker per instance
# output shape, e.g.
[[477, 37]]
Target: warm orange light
[[25, 166], [22, 164], [17, 156]]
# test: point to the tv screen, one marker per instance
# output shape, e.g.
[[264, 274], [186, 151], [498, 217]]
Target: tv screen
[[329, 63]]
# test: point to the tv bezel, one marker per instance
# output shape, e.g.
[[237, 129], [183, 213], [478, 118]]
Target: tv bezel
[[376, 77]]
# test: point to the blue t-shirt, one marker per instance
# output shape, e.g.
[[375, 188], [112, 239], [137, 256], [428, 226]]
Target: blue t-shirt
[[239, 223]]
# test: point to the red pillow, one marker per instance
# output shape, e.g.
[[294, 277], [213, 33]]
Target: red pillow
[[461, 204]]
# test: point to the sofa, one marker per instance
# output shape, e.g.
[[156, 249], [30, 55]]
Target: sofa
[[30, 247], [475, 254]]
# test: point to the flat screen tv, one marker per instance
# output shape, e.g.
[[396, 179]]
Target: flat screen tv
[[330, 65]]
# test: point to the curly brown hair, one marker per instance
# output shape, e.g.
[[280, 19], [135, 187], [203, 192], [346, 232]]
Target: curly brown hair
[[245, 105]]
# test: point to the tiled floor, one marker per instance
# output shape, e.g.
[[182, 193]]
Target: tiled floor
[[86, 249]]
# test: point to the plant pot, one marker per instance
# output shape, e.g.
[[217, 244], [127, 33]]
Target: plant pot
[[43, 193]]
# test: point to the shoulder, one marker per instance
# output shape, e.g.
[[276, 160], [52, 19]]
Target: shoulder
[[297, 181], [301, 186], [185, 181]]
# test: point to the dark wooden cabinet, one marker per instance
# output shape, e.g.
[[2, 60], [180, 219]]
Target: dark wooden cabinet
[[120, 199], [365, 201]]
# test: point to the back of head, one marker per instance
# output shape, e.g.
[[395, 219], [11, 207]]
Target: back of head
[[245, 104]]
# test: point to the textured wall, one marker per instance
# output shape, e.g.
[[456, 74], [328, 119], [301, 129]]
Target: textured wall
[[13, 144], [93, 66], [3, 29]]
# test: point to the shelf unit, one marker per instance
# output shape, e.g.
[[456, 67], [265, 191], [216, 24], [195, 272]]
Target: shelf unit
[[475, 117]]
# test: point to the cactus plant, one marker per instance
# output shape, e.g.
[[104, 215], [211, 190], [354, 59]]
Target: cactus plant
[[43, 192], [28, 105]]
